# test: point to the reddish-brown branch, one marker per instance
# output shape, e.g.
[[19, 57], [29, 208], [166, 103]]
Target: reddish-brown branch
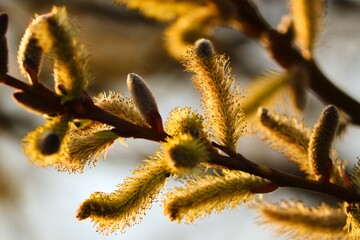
[[282, 179], [84, 108], [122, 128], [15, 83]]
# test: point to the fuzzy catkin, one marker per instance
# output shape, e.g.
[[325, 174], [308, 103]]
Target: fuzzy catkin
[[297, 221], [127, 205], [220, 100], [308, 22], [321, 140], [287, 135], [210, 194], [56, 36]]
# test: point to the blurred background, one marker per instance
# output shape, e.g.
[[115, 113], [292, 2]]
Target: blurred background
[[40, 204]]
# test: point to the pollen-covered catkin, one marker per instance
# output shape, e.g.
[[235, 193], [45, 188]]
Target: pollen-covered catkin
[[184, 120], [220, 99], [46, 145], [298, 221], [183, 153], [211, 194], [128, 204], [308, 22], [287, 135], [55, 35]]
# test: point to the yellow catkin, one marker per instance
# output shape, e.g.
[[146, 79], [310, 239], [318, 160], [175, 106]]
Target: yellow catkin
[[355, 176], [353, 220], [308, 22], [120, 106], [291, 137], [287, 135], [210, 194], [179, 36], [57, 37], [127, 205], [162, 10], [297, 221], [321, 140], [40, 153], [85, 146], [220, 100], [184, 120], [264, 91], [184, 153], [64, 147]]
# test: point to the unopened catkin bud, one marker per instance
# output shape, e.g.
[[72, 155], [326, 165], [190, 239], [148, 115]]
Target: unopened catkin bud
[[321, 139], [145, 101], [3, 44], [204, 48]]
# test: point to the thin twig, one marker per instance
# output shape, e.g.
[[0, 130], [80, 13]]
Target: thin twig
[[249, 21]]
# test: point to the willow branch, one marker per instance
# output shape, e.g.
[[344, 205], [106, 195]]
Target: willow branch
[[282, 179], [248, 20], [122, 127], [82, 108]]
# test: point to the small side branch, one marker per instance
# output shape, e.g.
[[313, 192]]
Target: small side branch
[[249, 21]]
